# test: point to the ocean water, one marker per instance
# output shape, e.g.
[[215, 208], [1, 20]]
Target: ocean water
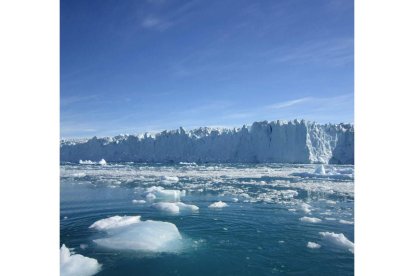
[[262, 231]]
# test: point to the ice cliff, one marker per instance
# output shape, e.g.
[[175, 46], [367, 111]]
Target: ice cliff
[[277, 141]]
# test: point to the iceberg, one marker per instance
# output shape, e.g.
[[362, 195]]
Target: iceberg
[[76, 264], [277, 141]]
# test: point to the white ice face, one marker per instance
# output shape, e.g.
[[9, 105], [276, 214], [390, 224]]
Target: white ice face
[[280, 142]]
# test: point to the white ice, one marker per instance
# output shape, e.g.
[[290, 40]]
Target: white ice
[[310, 220], [102, 162], [218, 204], [320, 170], [338, 240], [279, 141], [174, 207], [150, 236], [86, 162], [138, 201], [313, 245], [161, 194], [169, 179], [76, 264], [306, 208], [345, 221], [115, 222]]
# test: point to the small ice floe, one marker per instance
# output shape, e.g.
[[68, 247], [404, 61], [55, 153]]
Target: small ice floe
[[83, 246], [313, 245], [330, 218], [218, 204], [148, 236], [310, 220], [338, 240], [76, 264], [281, 242], [161, 194], [115, 222], [102, 162], [174, 207], [86, 162], [306, 208], [169, 179], [331, 202], [235, 199], [345, 221], [320, 170], [138, 201]]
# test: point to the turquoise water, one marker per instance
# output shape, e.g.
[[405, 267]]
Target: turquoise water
[[260, 234]]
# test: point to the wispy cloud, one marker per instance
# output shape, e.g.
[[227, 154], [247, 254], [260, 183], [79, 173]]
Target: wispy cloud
[[289, 103], [152, 22], [335, 52]]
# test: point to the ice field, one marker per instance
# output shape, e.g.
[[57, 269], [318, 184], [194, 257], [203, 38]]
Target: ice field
[[207, 219]]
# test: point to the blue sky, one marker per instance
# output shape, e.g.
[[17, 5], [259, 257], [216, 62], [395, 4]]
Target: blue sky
[[136, 66]]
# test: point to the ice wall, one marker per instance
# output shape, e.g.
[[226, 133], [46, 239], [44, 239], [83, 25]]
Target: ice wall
[[277, 141]]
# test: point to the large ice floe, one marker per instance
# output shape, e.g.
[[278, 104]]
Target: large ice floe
[[76, 264], [277, 141], [147, 236], [338, 240]]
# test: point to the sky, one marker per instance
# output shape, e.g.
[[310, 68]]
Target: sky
[[129, 67]]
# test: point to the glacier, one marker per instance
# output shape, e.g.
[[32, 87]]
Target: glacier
[[263, 142]]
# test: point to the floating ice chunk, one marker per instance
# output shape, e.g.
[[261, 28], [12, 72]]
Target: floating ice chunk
[[166, 195], [313, 245], [305, 207], [330, 202], [83, 246], [102, 162], [338, 239], [167, 207], [174, 207], [138, 201], [150, 236], [286, 194], [187, 207], [76, 264], [86, 162], [320, 170], [310, 220], [235, 199], [218, 204], [345, 221], [150, 196], [169, 179], [115, 222]]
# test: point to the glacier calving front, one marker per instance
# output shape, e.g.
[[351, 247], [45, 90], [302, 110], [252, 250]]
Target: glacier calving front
[[278, 141]]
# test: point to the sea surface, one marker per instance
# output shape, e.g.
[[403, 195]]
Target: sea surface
[[272, 212]]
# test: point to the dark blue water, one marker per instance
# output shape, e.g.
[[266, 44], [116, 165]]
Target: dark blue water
[[260, 234]]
